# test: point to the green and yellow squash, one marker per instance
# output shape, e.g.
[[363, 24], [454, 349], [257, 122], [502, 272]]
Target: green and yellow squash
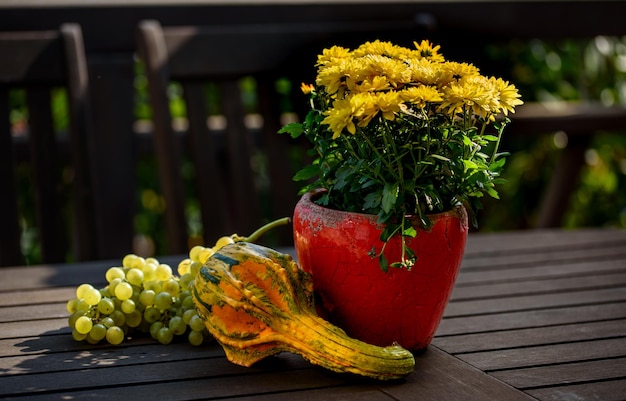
[[256, 302]]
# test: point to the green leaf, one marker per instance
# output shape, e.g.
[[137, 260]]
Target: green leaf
[[389, 231], [445, 159], [491, 138], [470, 165], [390, 195], [306, 173], [409, 232], [372, 200], [343, 175], [293, 129], [383, 263]]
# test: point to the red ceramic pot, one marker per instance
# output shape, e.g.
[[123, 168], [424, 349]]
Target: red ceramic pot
[[353, 292]]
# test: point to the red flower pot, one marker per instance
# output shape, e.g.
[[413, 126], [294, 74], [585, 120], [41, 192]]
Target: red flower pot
[[353, 292]]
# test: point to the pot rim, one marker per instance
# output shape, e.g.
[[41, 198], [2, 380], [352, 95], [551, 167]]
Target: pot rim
[[308, 198]]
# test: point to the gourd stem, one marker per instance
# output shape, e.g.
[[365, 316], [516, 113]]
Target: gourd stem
[[342, 353], [262, 230]]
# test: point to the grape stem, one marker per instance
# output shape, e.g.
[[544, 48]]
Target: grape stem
[[262, 230]]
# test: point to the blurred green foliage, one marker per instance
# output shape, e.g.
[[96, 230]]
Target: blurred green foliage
[[573, 70], [543, 71]]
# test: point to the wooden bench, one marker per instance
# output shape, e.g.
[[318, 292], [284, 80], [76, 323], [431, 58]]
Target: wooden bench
[[580, 122], [38, 62], [225, 180]]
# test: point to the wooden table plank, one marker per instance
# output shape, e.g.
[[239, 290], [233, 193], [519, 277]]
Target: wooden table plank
[[613, 390], [536, 302], [542, 376], [533, 318], [590, 281], [546, 354], [528, 337]]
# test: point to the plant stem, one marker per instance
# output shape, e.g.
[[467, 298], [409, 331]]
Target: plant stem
[[262, 230]]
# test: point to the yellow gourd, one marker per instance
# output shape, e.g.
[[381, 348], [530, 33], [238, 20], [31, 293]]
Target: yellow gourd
[[256, 302]]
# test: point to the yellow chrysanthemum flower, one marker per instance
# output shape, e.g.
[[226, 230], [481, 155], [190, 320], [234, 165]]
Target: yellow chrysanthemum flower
[[307, 88], [426, 50], [424, 71], [474, 92], [331, 78], [379, 48], [453, 71], [507, 95], [419, 96], [340, 117], [389, 104], [394, 70], [332, 54], [376, 83]]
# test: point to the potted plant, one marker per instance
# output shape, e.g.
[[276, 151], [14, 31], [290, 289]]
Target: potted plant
[[405, 144]]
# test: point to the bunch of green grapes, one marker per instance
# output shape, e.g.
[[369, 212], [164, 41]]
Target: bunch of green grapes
[[142, 296]]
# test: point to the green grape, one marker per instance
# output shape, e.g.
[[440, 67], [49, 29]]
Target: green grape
[[195, 268], [82, 289], [185, 280], [183, 266], [137, 263], [70, 306], [165, 335], [92, 296], [196, 323], [105, 293], [177, 325], [123, 291], [195, 338], [194, 253], [118, 317], [187, 303], [71, 320], [188, 314], [83, 324], [107, 322], [133, 319], [91, 340], [146, 297], [153, 261], [221, 242], [106, 306], [135, 276], [98, 331], [149, 272], [82, 306], [115, 335], [151, 314], [127, 261], [78, 336], [163, 272], [113, 284], [152, 285], [154, 329], [163, 300], [171, 286], [128, 306], [113, 273]]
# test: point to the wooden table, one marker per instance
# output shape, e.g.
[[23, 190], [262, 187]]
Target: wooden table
[[535, 314]]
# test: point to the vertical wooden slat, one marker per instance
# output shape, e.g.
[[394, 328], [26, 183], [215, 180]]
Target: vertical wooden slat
[[216, 221], [46, 176], [563, 182], [245, 202], [10, 253], [282, 189], [81, 135], [154, 54]]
